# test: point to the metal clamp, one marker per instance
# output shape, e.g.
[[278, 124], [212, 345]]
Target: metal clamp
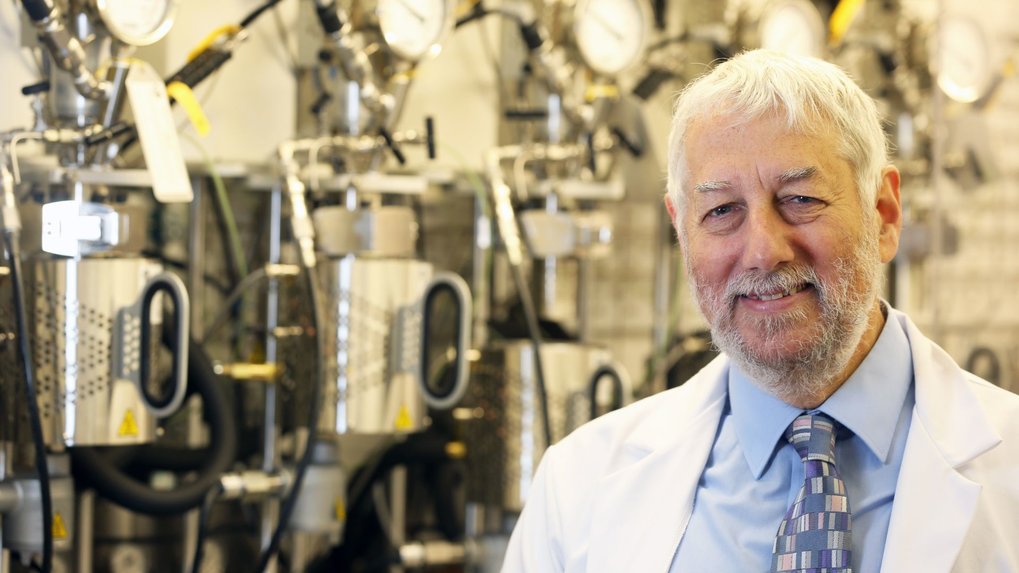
[[73, 228]]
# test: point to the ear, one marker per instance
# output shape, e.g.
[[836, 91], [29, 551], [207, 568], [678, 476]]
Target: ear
[[889, 211], [671, 209]]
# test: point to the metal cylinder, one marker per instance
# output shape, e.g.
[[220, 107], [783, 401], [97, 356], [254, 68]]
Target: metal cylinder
[[68, 107], [503, 413], [22, 527], [364, 297], [79, 331]]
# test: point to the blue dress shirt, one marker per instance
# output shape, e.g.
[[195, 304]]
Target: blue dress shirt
[[753, 475]]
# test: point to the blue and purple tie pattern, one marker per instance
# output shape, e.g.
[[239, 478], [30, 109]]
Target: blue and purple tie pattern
[[815, 535]]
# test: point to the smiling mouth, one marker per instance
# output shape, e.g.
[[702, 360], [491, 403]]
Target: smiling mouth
[[777, 295]]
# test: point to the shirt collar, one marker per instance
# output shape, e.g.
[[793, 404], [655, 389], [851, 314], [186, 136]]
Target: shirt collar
[[868, 404]]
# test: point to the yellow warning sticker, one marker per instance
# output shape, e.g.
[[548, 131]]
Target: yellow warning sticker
[[128, 427], [59, 529], [341, 509], [403, 420]]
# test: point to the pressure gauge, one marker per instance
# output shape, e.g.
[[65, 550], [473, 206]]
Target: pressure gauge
[[963, 58], [137, 22], [413, 28], [610, 34], [792, 26]]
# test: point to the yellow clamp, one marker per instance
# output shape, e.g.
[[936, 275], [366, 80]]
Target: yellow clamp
[[227, 30], [246, 371], [597, 91], [841, 19], [183, 95]]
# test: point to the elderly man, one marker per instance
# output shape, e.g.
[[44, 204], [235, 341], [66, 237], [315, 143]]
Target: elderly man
[[830, 435]]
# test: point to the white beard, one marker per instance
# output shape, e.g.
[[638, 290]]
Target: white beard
[[845, 310]]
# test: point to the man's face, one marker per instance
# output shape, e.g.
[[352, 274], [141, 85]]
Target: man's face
[[782, 256]]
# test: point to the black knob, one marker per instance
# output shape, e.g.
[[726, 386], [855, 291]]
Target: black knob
[[37, 88], [430, 136]]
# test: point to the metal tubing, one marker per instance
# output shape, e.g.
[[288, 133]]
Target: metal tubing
[[270, 453], [85, 531]]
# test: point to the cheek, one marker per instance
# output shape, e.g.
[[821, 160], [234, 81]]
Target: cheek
[[707, 269]]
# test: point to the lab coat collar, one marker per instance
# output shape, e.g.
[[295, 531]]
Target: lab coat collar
[[641, 511], [934, 502]]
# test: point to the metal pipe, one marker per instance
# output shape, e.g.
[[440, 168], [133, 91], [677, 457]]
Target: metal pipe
[[85, 531], [67, 52], [270, 453]]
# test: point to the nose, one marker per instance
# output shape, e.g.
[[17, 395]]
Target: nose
[[767, 240]]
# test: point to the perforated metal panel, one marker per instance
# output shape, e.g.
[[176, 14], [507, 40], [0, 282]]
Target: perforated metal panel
[[73, 305], [504, 434], [363, 296]]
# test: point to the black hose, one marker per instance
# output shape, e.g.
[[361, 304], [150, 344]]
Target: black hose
[[478, 11], [250, 18], [11, 241], [605, 371], [109, 481], [417, 448], [203, 525], [37, 10], [328, 17], [302, 465]]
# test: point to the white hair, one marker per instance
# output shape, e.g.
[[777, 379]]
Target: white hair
[[816, 97]]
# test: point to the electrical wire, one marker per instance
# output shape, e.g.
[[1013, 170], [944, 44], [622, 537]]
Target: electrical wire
[[534, 333], [203, 525], [11, 239], [223, 202], [250, 18], [225, 308], [478, 11], [302, 465]]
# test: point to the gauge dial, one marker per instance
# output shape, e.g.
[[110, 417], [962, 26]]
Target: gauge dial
[[610, 34], [413, 28], [137, 22], [794, 27], [963, 58]]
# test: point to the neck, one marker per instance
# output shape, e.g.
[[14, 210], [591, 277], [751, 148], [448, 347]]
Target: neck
[[811, 400]]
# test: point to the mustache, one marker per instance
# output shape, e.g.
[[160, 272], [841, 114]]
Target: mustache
[[782, 279]]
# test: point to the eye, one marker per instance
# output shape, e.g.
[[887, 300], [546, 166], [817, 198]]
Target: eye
[[802, 200], [801, 208], [719, 211]]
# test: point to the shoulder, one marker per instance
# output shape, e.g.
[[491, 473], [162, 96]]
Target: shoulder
[[959, 408], [646, 424]]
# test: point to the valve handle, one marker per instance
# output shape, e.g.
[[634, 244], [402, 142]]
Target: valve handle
[[36, 88], [430, 136], [388, 138]]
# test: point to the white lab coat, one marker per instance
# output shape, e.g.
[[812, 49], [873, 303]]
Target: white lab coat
[[616, 495]]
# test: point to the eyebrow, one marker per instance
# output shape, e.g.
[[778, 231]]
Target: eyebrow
[[790, 176], [712, 186], [797, 174]]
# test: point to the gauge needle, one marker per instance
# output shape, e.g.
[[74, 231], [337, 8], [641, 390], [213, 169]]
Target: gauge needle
[[418, 15], [607, 25]]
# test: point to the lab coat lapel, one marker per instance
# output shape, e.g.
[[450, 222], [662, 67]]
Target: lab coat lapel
[[934, 503], [642, 510]]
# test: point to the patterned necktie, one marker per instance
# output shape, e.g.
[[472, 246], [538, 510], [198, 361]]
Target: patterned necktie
[[815, 536]]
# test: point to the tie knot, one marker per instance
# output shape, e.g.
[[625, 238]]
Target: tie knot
[[813, 436]]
